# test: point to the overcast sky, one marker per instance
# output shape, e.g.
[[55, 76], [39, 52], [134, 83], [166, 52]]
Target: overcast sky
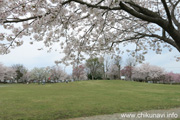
[[30, 57], [166, 60]]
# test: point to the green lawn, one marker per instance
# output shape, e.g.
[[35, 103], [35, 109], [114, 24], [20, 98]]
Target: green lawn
[[84, 98]]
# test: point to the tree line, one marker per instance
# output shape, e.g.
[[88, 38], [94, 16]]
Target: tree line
[[109, 69], [18, 73], [98, 68]]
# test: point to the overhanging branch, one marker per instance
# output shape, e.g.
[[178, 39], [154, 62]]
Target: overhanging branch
[[25, 19], [138, 14], [173, 14], [167, 12], [96, 6], [167, 40]]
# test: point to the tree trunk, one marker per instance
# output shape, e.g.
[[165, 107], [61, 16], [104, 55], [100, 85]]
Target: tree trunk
[[119, 72], [92, 77]]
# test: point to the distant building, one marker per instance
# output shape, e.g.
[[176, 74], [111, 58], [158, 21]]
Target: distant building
[[123, 77]]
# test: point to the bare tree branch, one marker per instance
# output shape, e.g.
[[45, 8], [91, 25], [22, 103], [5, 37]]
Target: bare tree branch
[[25, 19], [96, 6], [135, 13], [167, 40], [167, 12], [173, 14]]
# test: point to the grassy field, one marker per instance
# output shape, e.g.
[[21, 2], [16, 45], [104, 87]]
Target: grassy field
[[84, 98]]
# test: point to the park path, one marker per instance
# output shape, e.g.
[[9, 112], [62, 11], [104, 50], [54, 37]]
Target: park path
[[169, 114]]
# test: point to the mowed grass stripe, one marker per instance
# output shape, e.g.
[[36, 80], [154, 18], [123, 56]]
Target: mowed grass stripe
[[83, 98]]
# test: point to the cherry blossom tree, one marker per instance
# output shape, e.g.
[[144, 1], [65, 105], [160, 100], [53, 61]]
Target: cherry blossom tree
[[92, 26], [7, 73], [2, 72], [42, 74], [148, 72], [172, 77], [79, 73], [113, 72], [10, 74], [128, 69], [37, 74], [114, 67], [57, 73]]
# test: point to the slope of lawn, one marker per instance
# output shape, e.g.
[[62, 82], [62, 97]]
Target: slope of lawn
[[84, 98]]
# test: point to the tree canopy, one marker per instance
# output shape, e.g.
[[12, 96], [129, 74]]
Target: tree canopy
[[92, 26], [94, 68]]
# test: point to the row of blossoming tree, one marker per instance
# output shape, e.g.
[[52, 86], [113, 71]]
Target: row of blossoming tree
[[152, 73], [99, 68], [19, 74], [93, 69]]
